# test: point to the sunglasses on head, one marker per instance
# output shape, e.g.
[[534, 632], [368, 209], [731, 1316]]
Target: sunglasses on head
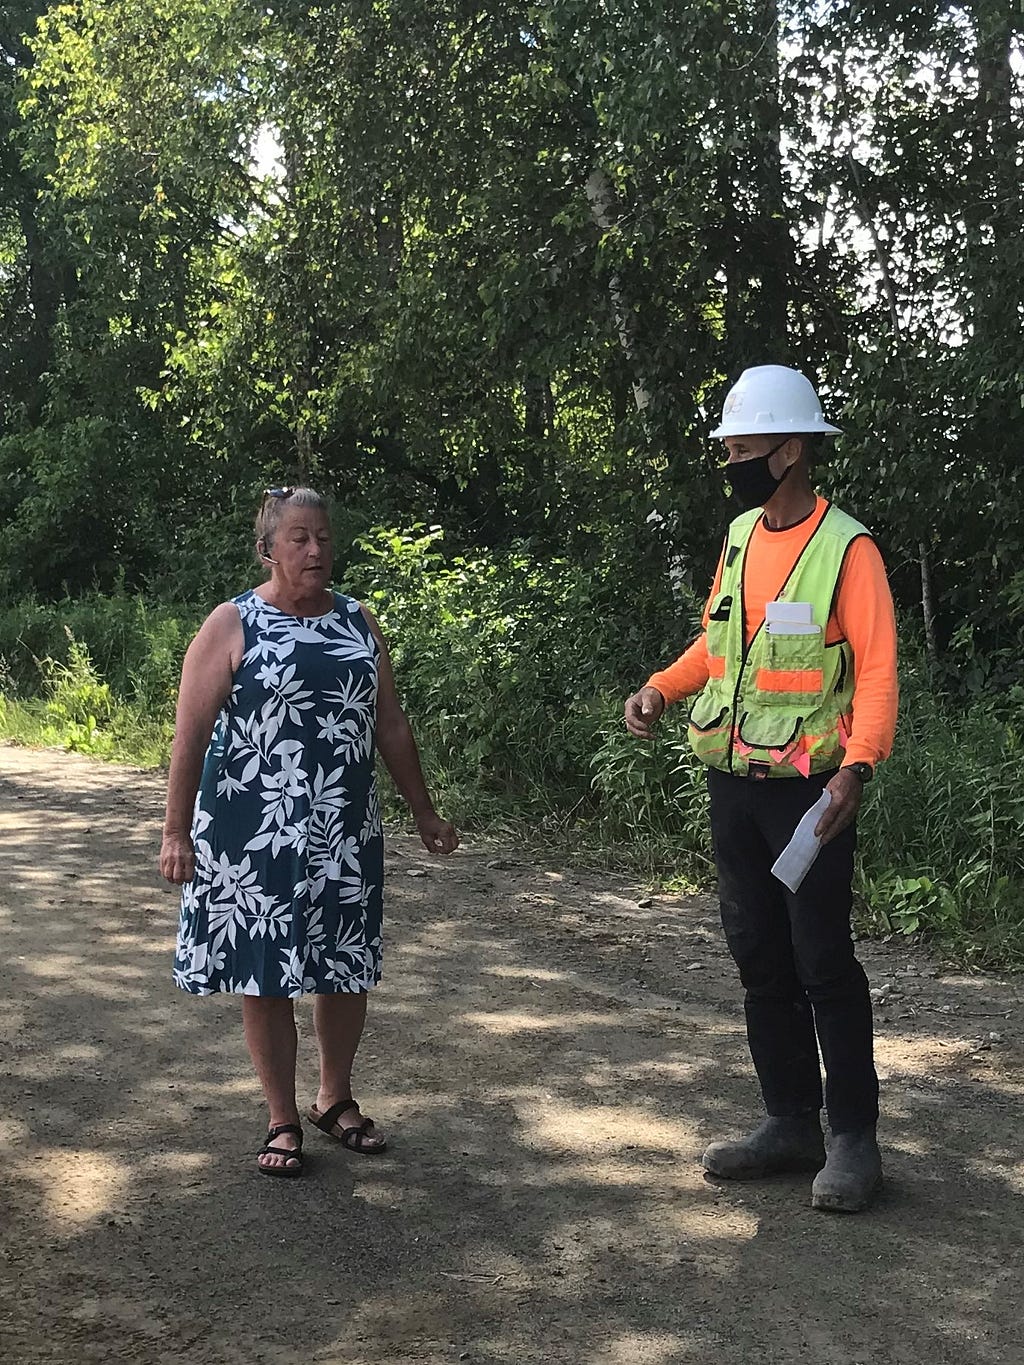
[[275, 493]]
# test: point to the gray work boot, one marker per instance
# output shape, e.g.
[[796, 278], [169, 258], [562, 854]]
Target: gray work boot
[[776, 1145], [852, 1175]]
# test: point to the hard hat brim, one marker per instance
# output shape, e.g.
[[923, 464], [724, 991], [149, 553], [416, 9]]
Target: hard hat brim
[[772, 429]]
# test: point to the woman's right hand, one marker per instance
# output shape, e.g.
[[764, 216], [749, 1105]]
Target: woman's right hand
[[177, 858]]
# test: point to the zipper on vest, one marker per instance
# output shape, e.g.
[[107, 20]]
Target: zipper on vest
[[745, 655], [840, 681]]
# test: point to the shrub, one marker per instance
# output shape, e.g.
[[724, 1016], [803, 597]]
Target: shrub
[[513, 672]]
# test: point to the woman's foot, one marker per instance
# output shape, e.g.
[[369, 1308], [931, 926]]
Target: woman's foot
[[343, 1120], [281, 1153]]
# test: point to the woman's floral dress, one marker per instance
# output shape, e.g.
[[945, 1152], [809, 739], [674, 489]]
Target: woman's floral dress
[[286, 896]]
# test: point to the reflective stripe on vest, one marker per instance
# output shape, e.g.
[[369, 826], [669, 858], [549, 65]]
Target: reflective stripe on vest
[[783, 701]]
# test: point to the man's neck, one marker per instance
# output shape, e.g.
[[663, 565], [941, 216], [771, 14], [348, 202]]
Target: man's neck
[[789, 504]]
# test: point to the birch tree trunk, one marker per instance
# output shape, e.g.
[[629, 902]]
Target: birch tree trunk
[[604, 211]]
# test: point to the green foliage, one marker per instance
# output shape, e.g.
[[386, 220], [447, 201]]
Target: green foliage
[[509, 667], [906, 905], [654, 798], [942, 833], [78, 711], [135, 647], [75, 695], [506, 299], [78, 707], [448, 306], [513, 673]]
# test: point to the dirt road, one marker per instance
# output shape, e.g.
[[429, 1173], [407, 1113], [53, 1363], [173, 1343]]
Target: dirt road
[[548, 1058]]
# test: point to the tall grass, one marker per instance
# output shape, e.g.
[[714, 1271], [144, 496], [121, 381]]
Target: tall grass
[[513, 673], [135, 646], [95, 675], [942, 833], [76, 710]]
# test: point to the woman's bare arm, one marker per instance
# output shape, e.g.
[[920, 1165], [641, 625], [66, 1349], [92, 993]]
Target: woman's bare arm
[[206, 680], [398, 749]]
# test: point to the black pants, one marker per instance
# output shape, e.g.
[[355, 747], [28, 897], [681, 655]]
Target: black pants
[[804, 986]]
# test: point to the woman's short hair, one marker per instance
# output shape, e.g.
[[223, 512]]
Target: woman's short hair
[[272, 509]]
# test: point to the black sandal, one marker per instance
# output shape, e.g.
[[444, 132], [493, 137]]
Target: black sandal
[[288, 1172], [356, 1139]]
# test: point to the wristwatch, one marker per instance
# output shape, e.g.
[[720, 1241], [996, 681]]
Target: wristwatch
[[862, 770]]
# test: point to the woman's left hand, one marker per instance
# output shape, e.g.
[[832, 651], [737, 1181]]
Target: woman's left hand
[[439, 836]]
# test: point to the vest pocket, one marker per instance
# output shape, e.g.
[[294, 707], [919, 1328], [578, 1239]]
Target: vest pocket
[[769, 729], [791, 671], [720, 608], [705, 718], [717, 632]]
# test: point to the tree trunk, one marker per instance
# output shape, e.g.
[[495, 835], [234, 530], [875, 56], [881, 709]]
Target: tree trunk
[[302, 312], [485, 497], [928, 604], [603, 210], [772, 257], [994, 223], [44, 294], [537, 404]]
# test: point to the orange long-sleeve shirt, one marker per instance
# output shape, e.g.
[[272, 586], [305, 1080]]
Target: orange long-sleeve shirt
[[863, 615]]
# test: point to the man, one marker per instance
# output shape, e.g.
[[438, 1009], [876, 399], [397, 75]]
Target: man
[[795, 673]]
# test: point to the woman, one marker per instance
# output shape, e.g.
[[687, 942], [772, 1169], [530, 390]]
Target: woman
[[272, 824]]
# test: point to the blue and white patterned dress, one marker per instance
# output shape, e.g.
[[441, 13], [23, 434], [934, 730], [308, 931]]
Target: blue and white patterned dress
[[286, 896]]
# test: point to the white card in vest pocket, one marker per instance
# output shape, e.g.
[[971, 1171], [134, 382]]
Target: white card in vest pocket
[[795, 613], [790, 618]]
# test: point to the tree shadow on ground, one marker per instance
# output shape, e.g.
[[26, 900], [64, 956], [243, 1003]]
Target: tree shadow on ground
[[549, 1063]]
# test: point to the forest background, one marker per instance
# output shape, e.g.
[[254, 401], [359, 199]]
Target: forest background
[[482, 272]]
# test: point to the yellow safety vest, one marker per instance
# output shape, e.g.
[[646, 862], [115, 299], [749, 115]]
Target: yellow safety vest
[[783, 702]]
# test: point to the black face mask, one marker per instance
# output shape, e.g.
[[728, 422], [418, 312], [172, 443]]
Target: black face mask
[[752, 482]]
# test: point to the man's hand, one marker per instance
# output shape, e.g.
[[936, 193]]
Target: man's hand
[[177, 858], [643, 711], [847, 791], [439, 836]]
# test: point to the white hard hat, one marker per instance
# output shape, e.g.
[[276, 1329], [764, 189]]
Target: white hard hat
[[769, 399]]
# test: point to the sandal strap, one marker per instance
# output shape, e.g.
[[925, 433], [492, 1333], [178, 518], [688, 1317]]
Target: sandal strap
[[329, 1117], [355, 1138], [295, 1128], [294, 1153]]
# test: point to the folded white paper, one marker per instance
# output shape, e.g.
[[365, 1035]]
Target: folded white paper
[[794, 862]]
